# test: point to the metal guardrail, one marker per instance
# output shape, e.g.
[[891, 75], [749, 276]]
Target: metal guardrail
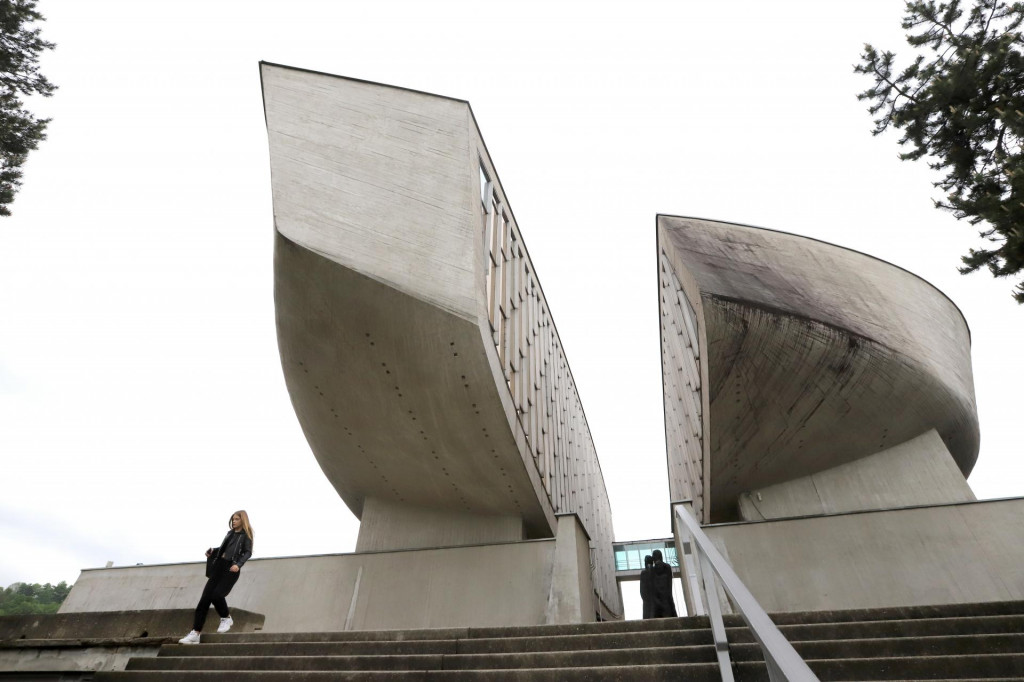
[[784, 663]]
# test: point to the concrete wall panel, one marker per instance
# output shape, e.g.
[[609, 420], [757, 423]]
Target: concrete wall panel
[[918, 472], [959, 553], [485, 585], [375, 178]]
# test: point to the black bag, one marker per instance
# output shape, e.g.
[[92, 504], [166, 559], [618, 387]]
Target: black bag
[[210, 562]]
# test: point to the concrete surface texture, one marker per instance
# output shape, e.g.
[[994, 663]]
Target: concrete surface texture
[[71, 646], [941, 554], [962, 642], [524, 583], [918, 472], [571, 598], [44, 661], [417, 347], [386, 525], [811, 356], [120, 625]]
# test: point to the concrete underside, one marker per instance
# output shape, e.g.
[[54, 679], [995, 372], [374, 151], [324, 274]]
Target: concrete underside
[[949, 554], [816, 356], [396, 398]]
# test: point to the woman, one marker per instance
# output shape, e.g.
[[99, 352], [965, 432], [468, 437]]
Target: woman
[[232, 554]]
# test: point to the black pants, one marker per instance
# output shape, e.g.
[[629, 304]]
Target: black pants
[[217, 588]]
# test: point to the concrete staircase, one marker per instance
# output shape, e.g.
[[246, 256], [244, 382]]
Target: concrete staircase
[[954, 642]]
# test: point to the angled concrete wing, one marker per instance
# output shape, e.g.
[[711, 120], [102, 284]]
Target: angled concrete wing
[[785, 356], [417, 345]]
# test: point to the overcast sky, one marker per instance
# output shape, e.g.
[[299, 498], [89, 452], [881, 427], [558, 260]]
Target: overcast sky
[[141, 393]]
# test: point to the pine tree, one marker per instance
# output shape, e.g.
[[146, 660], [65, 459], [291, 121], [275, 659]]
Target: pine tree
[[961, 104], [20, 131]]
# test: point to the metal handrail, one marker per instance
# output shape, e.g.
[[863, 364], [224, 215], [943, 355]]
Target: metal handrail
[[784, 663]]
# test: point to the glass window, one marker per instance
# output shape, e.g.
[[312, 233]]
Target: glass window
[[484, 180]]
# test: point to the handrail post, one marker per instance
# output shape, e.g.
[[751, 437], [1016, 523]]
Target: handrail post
[[698, 595], [783, 662], [717, 623], [688, 569]]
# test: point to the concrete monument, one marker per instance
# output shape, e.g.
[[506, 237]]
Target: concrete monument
[[820, 415], [819, 405]]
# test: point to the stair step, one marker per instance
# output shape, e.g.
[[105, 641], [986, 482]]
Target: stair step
[[302, 644], [944, 645], [918, 627], [834, 650], [989, 668], [353, 655], [981, 666], [997, 608], [694, 672], [794, 631], [967, 643], [608, 627], [1012, 611], [642, 640], [574, 659], [893, 647]]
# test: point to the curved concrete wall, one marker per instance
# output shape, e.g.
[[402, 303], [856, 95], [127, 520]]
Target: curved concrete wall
[[418, 349], [815, 356]]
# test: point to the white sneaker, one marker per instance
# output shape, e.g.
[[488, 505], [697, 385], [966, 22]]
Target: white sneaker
[[225, 624], [190, 638]]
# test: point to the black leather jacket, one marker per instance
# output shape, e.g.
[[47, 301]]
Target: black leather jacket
[[237, 547]]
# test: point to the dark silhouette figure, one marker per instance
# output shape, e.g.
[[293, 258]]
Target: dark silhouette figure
[[646, 586], [662, 605]]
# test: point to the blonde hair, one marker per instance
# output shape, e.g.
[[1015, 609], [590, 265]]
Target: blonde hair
[[245, 523]]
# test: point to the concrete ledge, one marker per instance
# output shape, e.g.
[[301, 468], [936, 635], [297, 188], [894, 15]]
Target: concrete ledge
[[45, 645], [117, 626], [51, 662]]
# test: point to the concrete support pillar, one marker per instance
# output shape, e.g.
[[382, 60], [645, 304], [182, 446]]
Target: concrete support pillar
[[387, 526], [571, 599]]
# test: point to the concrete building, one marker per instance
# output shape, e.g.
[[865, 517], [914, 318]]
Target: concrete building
[[819, 403], [820, 415], [427, 374]]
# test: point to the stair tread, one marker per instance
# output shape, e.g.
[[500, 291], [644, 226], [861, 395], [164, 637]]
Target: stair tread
[[462, 646], [697, 672], [967, 643]]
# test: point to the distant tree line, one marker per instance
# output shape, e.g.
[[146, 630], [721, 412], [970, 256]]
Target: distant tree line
[[24, 598]]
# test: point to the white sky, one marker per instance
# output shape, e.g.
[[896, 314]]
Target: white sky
[[141, 394]]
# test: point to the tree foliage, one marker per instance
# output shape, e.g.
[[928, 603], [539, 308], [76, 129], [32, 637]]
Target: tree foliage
[[20, 131], [960, 103], [23, 598]]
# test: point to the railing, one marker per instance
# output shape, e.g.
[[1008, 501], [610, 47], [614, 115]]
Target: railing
[[784, 663]]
